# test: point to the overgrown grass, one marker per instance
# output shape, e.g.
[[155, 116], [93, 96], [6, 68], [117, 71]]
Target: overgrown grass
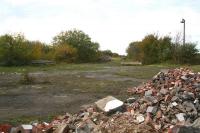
[[96, 66], [147, 71], [62, 66], [139, 72], [28, 119], [196, 68]]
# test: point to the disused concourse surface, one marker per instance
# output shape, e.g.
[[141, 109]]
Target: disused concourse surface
[[60, 91]]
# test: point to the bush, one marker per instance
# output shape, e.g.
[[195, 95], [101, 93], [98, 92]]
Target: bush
[[65, 53], [86, 49], [197, 59], [13, 50], [69, 46], [188, 53], [153, 49], [27, 79]]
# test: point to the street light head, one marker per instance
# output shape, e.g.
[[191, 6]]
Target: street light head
[[183, 21]]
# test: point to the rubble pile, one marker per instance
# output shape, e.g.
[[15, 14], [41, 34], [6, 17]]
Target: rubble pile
[[170, 98], [169, 103]]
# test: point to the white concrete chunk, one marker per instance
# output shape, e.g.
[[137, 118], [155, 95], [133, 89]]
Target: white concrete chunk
[[140, 118], [148, 93], [113, 104], [180, 117], [27, 127], [108, 103], [174, 104]]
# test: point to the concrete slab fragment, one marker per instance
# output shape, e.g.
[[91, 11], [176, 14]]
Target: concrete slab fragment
[[180, 117], [108, 103]]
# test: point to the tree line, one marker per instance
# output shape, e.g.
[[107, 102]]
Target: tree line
[[77, 47], [154, 49], [69, 46]]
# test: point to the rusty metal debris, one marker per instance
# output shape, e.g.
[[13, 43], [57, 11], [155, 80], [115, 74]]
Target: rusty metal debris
[[169, 103]]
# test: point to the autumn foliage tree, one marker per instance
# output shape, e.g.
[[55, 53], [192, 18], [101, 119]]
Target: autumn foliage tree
[[36, 49], [16, 50], [69, 46], [66, 53]]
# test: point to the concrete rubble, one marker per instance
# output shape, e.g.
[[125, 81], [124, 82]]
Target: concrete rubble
[[24, 129], [108, 104], [169, 103]]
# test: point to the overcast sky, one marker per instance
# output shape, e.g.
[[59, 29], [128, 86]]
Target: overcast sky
[[112, 23]]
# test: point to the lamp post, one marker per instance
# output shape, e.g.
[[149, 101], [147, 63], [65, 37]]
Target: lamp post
[[183, 21]]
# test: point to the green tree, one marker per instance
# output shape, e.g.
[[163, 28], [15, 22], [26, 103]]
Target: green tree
[[106, 52], [86, 49], [153, 49], [134, 51], [188, 53], [165, 49], [150, 49], [13, 50]]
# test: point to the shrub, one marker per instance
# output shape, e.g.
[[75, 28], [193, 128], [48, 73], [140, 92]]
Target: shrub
[[86, 49], [153, 49], [27, 79], [65, 53]]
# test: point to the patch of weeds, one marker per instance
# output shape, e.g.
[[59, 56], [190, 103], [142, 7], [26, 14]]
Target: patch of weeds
[[19, 120], [27, 78], [28, 119], [140, 74], [195, 68], [44, 81]]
